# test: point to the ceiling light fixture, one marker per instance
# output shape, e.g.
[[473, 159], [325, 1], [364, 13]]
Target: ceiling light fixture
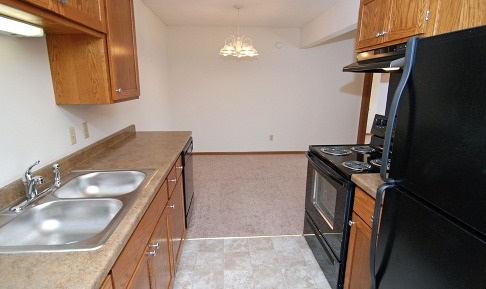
[[16, 28], [239, 46]]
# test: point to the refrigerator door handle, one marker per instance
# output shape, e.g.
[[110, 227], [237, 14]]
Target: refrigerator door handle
[[374, 230], [409, 60]]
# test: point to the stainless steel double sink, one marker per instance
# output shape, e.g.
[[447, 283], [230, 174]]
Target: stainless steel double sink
[[80, 215]]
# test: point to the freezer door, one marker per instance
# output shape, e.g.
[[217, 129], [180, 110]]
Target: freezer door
[[419, 248], [439, 145]]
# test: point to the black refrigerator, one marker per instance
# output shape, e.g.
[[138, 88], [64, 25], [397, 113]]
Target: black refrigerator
[[432, 232]]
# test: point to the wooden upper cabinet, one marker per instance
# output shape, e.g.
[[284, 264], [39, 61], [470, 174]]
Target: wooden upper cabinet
[[122, 49], [373, 17], [41, 3], [90, 13], [87, 12], [386, 22], [455, 15], [407, 18], [102, 69]]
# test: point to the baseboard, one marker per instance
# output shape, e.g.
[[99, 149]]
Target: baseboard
[[250, 153]]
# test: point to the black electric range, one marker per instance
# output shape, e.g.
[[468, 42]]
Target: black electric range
[[330, 194]]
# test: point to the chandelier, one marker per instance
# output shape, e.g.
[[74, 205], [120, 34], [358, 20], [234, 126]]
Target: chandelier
[[239, 46]]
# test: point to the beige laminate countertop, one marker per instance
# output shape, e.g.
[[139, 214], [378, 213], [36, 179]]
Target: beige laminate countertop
[[140, 150], [368, 182]]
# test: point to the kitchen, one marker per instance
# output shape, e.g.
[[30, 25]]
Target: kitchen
[[166, 116]]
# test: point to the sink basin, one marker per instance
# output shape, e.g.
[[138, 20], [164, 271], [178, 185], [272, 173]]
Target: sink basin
[[60, 222], [79, 216], [102, 184]]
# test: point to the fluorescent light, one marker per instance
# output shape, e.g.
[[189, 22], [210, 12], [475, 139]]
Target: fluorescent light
[[17, 28]]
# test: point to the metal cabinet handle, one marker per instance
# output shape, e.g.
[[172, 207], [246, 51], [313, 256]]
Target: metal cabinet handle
[[118, 90], [351, 223], [173, 180], [172, 206], [63, 1], [382, 33], [151, 253], [156, 246], [179, 167], [372, 218]]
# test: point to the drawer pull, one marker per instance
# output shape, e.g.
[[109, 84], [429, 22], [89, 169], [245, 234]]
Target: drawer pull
[[173, 180], [119, 90], [151, 253], [372, 218], [179, 167], [156, 246], [172, 206], [351, 223]]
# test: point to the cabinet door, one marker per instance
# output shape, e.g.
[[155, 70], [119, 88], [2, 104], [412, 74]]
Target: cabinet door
[[177, 224], [407, 18], [159, 265], [140, 279], [358, 259], [122, 50], [89, 13], [455, 15], [373, 18]]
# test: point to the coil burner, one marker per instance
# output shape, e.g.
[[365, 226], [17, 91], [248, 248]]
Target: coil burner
[[336, 151], [363, 149], [378, 162], [356, 166]]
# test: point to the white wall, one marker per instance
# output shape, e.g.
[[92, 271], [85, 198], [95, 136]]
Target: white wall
[[341, 18], [301, 96], [33, 127]]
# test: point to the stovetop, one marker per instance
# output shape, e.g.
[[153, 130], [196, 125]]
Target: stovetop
[[348, 155]]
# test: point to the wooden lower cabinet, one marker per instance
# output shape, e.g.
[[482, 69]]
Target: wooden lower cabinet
[[177, 223], [150, 257], [159, 258], [358, 260], [140, 279], [108, 283], [357, 274]]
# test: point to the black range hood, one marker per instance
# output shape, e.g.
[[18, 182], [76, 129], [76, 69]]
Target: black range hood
[[382, 60]]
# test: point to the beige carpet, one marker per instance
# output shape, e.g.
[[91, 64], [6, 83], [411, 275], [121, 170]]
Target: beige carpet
[[248, 195]]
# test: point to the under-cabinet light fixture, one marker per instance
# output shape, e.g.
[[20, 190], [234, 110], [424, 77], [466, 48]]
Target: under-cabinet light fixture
[[16, 28]]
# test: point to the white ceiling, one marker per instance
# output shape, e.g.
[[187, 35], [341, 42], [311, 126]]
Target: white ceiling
[[257, 13]]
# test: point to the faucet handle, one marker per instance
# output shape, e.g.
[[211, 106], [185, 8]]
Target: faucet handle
[[32, 190], [57, 175]]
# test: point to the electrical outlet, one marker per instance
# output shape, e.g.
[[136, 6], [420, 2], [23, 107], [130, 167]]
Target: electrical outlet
[[72, 135], [270, 137], [85, 129]]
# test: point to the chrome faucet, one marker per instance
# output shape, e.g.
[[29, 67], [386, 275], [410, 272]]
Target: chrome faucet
[[57, 175], [30, 184]]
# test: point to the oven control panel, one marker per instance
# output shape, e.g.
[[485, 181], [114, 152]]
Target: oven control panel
[[379, 125]]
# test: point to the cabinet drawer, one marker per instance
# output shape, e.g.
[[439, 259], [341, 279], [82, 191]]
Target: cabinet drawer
[[172, 179], [364, 205], [179, 167], [125, 265]]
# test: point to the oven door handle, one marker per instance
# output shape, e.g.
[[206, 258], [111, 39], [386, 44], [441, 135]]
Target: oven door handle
[[323, 168]]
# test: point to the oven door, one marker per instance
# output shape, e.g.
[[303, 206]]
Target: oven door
[[329, 203]]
